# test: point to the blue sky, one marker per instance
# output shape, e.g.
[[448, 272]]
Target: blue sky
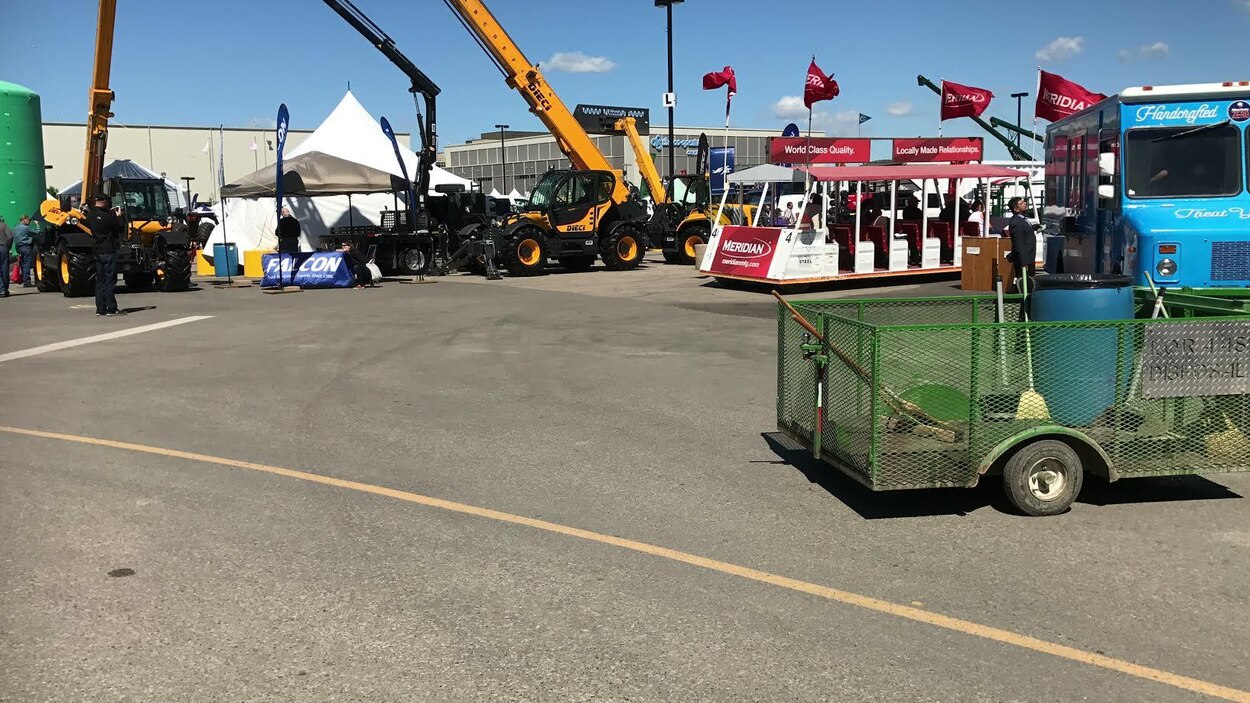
[[244, 58]]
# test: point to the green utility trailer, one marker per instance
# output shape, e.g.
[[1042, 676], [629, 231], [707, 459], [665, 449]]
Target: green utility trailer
[[926, 393]]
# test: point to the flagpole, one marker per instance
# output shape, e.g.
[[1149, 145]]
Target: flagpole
[[221, 182], [808, 179], [1037, 92], [941, 103]]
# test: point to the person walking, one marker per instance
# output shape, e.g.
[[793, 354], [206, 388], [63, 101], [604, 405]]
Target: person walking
[[1023, 254], [6, 243], [106, 234], [24, 240]]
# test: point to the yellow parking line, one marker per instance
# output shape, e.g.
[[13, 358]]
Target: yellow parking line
[[880, 606]]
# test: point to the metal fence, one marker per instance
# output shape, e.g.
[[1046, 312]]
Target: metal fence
[[937, 393]]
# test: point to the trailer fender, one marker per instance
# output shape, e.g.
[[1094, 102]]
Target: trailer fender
[[1096, 460], [73, 239], [177, 237]]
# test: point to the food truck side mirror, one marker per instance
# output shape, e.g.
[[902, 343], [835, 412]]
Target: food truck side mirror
[[1106, 192], [1106, 165]]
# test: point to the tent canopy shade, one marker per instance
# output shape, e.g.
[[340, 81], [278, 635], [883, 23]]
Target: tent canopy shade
[[314, 173], [912, 172], [766, 173]]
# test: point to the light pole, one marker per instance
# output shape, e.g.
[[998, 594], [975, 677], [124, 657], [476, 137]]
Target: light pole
[[670, 98], [503, 156], [187, 180], [1018, 97]]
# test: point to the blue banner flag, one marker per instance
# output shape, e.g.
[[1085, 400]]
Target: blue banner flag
[[403, 168], [722, 162], [284, 120], [791, 130]]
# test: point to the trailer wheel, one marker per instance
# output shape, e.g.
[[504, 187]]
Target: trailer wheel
[[77, 274], [691, 237], [173, 272], [622, 249], [46, 279], [577, 263], [414, 261], [526, 254], [1043, 478]]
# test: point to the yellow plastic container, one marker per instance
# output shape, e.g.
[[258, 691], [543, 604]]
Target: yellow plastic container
[[202, 267], [252, 267]]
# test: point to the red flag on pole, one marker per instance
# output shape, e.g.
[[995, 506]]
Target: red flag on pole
[[963, 100], [716, 79], [1058, 97], [819, 86]]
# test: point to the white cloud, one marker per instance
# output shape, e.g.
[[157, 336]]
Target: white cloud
[[577, 62], [1124, 55], [835, 124], [264, 123], [843, 123], [1158, 49], [901, 108], [789, 107], [1245, 5], [1061, 48]]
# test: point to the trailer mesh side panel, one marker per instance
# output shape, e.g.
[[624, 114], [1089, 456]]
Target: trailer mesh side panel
[[1157, 397]]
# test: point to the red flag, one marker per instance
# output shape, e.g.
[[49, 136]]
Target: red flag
[[819, 86], [963, 100], [1058, 97], [716, 79]]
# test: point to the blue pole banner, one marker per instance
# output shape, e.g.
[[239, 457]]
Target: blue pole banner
[[284, 121], [403, 168]]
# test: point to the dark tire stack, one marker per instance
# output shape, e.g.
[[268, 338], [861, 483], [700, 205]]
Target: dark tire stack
[[173, 272]]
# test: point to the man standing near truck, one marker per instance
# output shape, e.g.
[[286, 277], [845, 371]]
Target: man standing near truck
[[106, 234], [1023, 254]]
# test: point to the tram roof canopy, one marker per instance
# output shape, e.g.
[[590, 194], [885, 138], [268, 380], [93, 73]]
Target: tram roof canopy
[[905, 172]]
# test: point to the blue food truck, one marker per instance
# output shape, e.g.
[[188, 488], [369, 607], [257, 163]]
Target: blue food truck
[[1152, 183]]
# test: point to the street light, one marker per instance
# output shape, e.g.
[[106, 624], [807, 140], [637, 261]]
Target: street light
[[670, 98], [187, 180], [503, 156], [1018, 97]]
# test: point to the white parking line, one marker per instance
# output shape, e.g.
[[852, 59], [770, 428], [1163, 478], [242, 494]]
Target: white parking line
[[34, 351]]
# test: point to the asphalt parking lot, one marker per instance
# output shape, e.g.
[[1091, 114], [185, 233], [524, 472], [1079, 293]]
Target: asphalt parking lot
[[563, 488]]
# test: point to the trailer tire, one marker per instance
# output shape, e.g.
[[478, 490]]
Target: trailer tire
[[137, 282], [622, 249], [1043, 478], [526, 252], [77, 271], [173, 272], [46, 278], [577, 263], [688, 239]]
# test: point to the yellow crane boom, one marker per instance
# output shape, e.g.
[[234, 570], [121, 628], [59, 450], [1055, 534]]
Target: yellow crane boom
[[100, 100], [646, 165], [525, 77]]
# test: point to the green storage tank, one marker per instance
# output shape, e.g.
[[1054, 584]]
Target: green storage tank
[[22, 183]]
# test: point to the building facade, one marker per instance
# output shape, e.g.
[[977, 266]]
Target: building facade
[[531, 154], [174, 151]]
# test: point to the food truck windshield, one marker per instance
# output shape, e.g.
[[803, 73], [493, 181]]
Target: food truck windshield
[[1167, 162]]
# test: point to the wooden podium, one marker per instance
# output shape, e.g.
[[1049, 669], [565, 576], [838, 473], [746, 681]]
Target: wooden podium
[[980, 256]]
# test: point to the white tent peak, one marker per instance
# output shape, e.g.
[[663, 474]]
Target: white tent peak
[[352, 134], [515, 195]]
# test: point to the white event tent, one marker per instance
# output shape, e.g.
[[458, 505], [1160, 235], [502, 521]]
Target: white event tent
[[349, 134]]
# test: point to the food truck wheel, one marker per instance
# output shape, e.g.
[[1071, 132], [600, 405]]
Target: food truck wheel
[[1043, 478]]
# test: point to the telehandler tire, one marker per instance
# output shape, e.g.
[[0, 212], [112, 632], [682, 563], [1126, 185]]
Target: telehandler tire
[[47, 278], [526, 253], [688, 238], [77, 274], [623, 247]]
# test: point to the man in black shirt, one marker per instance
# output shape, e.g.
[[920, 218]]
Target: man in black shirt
[[288, 233], [356, 259], [1023, 254], [106, 234]]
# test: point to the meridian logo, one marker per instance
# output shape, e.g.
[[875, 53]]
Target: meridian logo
[[753, 249]]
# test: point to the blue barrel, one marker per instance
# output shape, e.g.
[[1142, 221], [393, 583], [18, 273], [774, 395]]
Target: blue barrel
[[225, 260], [1074, 368]]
